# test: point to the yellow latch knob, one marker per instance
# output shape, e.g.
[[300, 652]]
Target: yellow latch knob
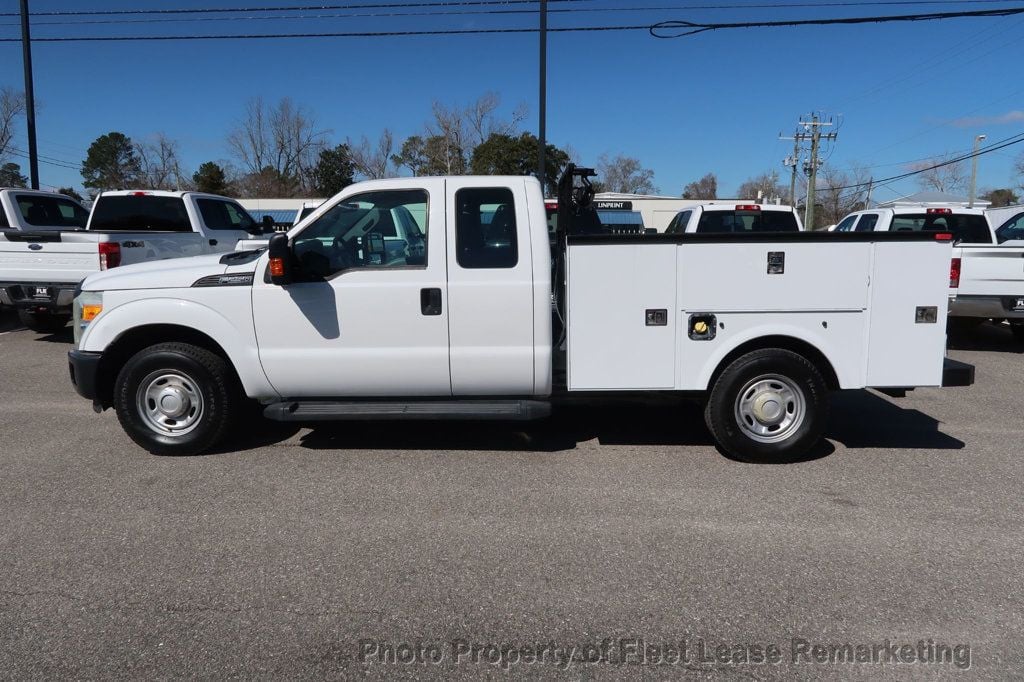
[[700, 327]]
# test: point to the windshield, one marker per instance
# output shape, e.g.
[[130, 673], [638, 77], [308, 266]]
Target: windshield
[[140, 214], [969, 229], [747, 221]]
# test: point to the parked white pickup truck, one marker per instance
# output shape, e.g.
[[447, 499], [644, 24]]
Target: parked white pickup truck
[[325, 324], [29, 210], [986, 277], [742, 218], [40, 270]]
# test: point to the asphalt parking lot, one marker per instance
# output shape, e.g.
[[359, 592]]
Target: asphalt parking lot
[[320, 552]]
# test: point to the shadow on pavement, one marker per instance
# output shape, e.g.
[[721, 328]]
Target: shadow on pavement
[[862, 419], [859, 419], [985, 337]]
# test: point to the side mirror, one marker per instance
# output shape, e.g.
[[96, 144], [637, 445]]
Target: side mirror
[[280, 259], [268, 224]]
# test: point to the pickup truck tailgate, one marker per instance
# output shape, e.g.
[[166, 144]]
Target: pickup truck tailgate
[[991, 270], [47, 261]]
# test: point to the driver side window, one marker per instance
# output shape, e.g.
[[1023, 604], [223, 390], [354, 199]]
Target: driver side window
[[385, 229]]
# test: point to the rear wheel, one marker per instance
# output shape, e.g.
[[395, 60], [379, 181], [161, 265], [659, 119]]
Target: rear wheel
[[1018, 330], [176, 399], [768, 405], [44, 323]]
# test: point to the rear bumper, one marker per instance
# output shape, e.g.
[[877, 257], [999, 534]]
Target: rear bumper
[[48, 297], [956, 373], [986, 307], [84, 368]]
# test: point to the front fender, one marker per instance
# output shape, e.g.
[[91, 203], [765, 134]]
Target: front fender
[[232, 330]]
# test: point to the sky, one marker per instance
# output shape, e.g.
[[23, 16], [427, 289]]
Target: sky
[[715, 102]]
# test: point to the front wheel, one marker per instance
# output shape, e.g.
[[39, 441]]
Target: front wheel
[[769, 405], [44, 323], [176, 398]]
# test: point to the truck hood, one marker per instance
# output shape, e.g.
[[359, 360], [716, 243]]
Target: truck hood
[[173, 273]]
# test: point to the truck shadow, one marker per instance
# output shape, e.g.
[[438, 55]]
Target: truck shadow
[[860, 419], [985, 337]]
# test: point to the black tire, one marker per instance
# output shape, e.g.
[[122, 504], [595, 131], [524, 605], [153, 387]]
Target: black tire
[[798, 389], [44, 323], [199, 383], [1018, 331]]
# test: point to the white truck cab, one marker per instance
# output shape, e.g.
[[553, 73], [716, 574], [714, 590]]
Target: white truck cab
[[735, 218], [331, 322]]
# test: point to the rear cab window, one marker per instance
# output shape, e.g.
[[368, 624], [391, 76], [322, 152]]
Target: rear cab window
[[747, 221], [485, 228], [42, 211], [965, 228], [119, 213]]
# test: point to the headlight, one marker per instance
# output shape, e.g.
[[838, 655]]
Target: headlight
[[86, 306]]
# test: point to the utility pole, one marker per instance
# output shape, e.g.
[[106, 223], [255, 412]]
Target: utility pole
[[867, 198], [812, 130], [542, 142], [974, 169], [792, 162], [30, 98]]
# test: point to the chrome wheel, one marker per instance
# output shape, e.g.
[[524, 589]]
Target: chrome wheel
[[170, 402], [770, 408]]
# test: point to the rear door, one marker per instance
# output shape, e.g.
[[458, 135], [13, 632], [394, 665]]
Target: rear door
[[490, 288]]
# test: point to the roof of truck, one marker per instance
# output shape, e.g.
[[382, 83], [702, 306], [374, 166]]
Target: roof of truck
[[158, 193], [732, 206]]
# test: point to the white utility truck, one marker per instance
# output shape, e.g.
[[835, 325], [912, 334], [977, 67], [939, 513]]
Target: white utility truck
[[328, 324], [40, 269], [745, 217], [986, 276]]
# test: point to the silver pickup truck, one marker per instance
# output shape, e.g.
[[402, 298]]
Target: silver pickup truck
[[40, 269]]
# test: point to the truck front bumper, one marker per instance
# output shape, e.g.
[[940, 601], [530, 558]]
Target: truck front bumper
[[956, 373], [84, 368], [38, 296], [987, 307]]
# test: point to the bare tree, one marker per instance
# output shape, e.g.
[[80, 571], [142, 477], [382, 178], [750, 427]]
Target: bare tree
[[373, 160], [1018, 167], [625, 174], [281, 141], [161, 168], [762, 187], [705, 188], [948, 177], [838, 194], [12, 107]]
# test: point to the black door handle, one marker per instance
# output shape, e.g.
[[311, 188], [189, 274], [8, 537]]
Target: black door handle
[[430, 301], [213, 242]]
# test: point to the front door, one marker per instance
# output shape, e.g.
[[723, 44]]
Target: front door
[[363, 318]]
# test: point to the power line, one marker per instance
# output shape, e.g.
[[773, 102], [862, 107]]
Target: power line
[[282, 8], [988, 149], [477, 12], [689, 28]]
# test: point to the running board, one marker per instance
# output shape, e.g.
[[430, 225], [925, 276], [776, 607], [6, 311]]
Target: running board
[[475, 410]]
